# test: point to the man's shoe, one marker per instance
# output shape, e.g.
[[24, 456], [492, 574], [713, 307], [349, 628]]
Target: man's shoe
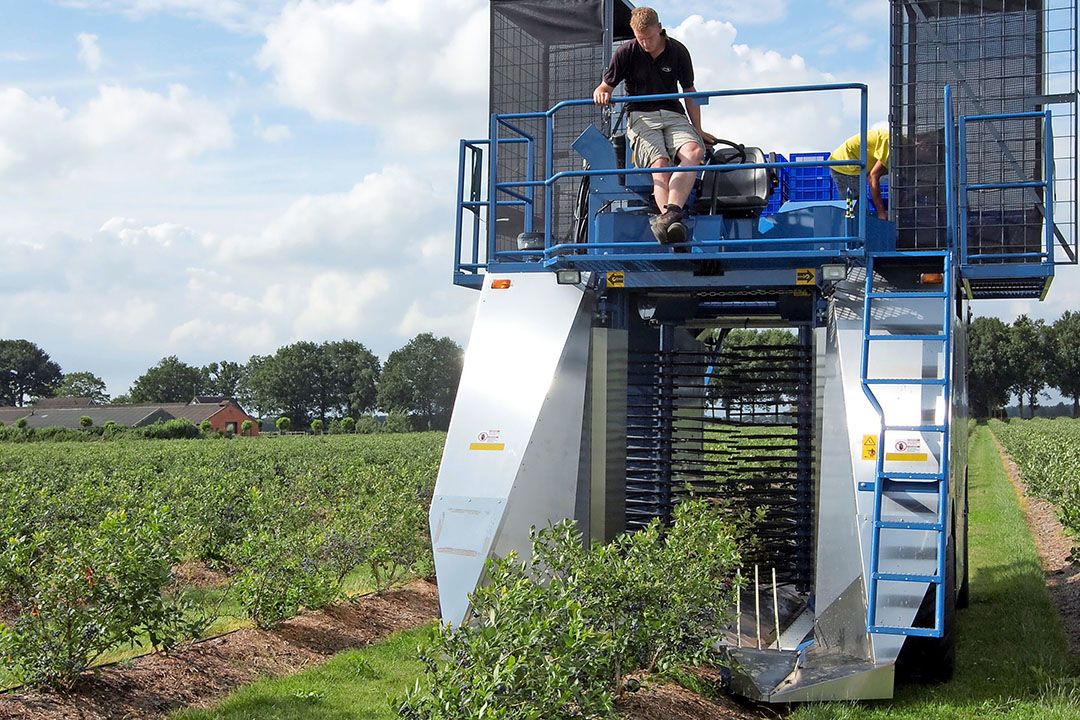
[[676, 233], [659, 228]]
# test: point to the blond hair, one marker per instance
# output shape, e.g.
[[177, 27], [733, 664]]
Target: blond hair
[[643, 18]]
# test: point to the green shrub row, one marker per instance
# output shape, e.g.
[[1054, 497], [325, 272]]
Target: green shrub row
[[91, 534], [1047, 454], [554, 637]]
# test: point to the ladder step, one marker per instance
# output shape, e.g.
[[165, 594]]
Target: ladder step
[[902, 525], [901, 577], [905, 381], [917, 428], [926, 338], [906, 487], [910, 631], [906, 295], [937, 477]]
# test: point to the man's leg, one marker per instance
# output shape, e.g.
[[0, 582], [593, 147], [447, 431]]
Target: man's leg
[[681, 184], [661, 183]]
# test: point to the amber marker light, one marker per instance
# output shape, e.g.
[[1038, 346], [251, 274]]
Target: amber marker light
[[500, 284], [932, 278]]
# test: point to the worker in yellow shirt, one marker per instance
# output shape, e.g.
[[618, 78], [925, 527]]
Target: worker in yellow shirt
[[846, 177]]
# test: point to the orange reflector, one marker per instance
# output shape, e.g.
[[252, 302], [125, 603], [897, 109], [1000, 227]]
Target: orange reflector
[[500, 284], [932, 278]]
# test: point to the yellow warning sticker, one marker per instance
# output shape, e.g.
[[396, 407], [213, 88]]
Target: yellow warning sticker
[[615, 279], [806, 276], [869, 447], [495, 447], [907, 457]]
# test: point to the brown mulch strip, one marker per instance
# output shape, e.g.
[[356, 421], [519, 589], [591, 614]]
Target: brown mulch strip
[[199, 674], [670, 701], [1055, 548]]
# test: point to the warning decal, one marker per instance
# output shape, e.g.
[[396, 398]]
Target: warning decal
[[907, 457], [496, 447], [869, 447]]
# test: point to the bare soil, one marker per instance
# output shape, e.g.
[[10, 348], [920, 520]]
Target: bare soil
[[1055, 549], [199, 674], [670, 701], [198, 575]]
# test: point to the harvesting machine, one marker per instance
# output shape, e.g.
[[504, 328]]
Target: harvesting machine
[[598, 384]]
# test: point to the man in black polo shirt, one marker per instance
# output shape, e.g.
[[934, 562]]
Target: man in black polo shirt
[[659, 131]]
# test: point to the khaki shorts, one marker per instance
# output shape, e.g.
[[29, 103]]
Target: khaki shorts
[[658, 134]]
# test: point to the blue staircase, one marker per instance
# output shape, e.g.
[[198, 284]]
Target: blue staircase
[[886, 482]]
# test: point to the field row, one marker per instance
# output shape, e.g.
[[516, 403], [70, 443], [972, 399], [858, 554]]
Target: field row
[[94, 534], [1047, 453]]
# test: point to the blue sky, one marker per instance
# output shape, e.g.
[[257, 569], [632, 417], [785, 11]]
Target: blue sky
[[216, 178]]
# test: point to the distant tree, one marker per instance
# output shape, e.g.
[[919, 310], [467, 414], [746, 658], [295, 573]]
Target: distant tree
[[205, 426], [990, 366], [123, 399], [353, 374], [223, 378], [83, 384], [317, 426], [86, 421], [169, 381], [26, 372], [246, 427], [1064, 371], [348, 425], [1029, 349], [421, 380], [283, 423]]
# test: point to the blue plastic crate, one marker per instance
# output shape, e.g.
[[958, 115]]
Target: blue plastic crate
[[781, 193], [810, 183]]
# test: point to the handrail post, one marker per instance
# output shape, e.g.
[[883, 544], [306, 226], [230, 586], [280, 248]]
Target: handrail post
[[962, 192], [493, 180], [549, 167], [950, 190], [530, 159], [863, 111], [1048, 175], [460, 208]]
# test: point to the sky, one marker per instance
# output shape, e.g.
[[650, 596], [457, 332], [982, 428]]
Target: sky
[[213, 179]]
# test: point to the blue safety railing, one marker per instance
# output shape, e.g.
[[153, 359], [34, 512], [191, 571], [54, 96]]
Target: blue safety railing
[[503, 192], [1046, 184]]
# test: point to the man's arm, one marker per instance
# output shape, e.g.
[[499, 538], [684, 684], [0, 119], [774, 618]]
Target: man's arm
[[693, 111], [602, 94], [875, 189]]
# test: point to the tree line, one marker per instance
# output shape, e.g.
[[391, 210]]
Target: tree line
[[304, 381]]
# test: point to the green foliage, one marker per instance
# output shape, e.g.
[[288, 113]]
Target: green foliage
[[553, 638], [247, 426], [169, 381], [26, 371], [990, 366], [86, 421], [1029, 350], [348, 425], [83, 591], [21, 423], [287, 519], [317, 426], [205, 426], [1065, 362], [1047, 453], [83, 385], [283, 423], [396, 422], [421, 380], [177, 428], [367, 424]]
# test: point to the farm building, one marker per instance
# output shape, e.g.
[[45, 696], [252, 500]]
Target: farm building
[[223, 413]]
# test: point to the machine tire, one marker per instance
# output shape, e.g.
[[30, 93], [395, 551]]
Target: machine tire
[[933, 660], [963, 595]]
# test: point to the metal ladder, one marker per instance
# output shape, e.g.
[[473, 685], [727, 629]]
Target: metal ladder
[[892, 481]]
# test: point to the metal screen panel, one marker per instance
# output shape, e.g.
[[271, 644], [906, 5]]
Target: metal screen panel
[[999, 56], [734, 425], [543, 52]]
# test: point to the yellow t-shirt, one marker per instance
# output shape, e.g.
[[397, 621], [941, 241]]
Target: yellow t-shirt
[[877, 150]]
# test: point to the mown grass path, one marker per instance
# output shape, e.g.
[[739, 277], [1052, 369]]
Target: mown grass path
[[1012, 659]]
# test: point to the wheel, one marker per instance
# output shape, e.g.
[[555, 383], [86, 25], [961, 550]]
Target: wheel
[[933, 660]]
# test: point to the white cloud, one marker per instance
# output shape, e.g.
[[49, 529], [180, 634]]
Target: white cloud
[[89, 51], [238, 15], [414, 69], [41, 139], [737, 11], [272, 134]]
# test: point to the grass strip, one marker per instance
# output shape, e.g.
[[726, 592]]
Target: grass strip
[[354, 684], [1012, 661]]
